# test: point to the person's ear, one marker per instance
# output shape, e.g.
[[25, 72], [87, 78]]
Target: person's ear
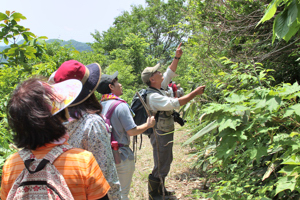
[[111, 86], [151, 79]]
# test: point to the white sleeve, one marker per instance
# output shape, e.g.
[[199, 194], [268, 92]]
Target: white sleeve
[[158, 102], [168, 75]]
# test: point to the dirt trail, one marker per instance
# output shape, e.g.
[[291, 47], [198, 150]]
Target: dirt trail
[[181, 178]]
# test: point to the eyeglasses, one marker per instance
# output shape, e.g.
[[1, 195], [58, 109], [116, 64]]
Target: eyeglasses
[[156, 73]]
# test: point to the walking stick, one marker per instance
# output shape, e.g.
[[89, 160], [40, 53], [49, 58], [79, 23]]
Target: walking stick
[[157, 146]]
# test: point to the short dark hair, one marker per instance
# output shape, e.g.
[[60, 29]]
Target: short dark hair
[[148, 83], [91, 106], [107, 90], [29, 116]]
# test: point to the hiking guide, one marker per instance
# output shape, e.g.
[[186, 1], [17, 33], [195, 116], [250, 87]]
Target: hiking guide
[[123, 127], [162, 106]]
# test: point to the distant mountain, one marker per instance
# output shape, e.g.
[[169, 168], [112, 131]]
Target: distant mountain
[[3, 47], [79, 46]]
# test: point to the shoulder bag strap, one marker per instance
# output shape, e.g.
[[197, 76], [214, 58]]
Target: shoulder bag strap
[[50, 157]]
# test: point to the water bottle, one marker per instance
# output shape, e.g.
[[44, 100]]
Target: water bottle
[[115, 150]]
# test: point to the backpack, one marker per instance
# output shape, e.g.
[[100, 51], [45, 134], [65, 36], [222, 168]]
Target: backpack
[[40, 179], [139, 110]]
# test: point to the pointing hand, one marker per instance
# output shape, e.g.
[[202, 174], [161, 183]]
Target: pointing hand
[[179, 51]]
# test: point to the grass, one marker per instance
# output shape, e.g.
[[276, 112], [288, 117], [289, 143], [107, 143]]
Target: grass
[[181, 178]]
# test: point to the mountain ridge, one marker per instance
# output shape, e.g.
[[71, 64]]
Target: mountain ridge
[[79, 46]]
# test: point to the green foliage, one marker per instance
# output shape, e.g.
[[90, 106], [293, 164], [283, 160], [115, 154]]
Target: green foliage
[[287, 22], [229, 28], [156, 27], [15, 68], [253, 147], [125, 77], [19, 54], [133, 53]]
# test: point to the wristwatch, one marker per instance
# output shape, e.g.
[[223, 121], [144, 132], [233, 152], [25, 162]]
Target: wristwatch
[[176, 57]]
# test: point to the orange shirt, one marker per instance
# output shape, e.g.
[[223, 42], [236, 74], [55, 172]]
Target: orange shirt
[[79, 168]]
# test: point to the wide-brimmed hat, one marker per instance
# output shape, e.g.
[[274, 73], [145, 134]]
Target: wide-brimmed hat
[[148, 72], [105, 81], [89, 76], [62, 94]]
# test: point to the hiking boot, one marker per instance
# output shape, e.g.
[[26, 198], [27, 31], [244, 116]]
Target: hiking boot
[[167, 192], [153, 184]]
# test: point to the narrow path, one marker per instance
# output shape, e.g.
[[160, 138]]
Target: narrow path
[[181, 178]]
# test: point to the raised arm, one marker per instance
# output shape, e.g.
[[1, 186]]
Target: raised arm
[[175, 61], [186, 98]]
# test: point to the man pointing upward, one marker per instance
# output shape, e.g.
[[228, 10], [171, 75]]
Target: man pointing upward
[[162, 105]]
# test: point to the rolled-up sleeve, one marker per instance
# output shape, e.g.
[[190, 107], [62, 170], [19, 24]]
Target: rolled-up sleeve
[[168, 75], [162, 103]]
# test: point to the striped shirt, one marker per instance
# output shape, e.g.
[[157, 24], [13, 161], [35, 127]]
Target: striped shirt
[[79, 168]]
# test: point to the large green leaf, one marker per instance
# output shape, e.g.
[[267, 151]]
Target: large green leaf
[[290, 89], [289, 170], [226, 148], [286, 183], [260, 103], [202, 132], [292, 13], [292, 109], [3, 16], [236, 109], [234, 98], [293, 160], [17, 16], [281, 28], [6, 41], [253, 153], [273, 103], [261, 151], [229, 122], [270, 12], [294, 27]]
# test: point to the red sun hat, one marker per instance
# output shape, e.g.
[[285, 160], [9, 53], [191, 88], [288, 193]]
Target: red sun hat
[[71, 69], [89, 76]]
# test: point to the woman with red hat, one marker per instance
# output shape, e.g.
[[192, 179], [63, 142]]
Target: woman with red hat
[[87, 128]]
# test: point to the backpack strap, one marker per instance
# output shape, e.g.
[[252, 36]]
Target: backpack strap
[[28, 157], [109, 114], [154, 90], [111, 109]]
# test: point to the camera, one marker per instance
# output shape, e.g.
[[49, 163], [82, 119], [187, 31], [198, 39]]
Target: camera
[[178, 119]]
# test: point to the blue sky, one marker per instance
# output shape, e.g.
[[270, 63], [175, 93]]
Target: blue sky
[[68, 19]]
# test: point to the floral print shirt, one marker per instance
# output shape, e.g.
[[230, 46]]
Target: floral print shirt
[[89, 133]]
